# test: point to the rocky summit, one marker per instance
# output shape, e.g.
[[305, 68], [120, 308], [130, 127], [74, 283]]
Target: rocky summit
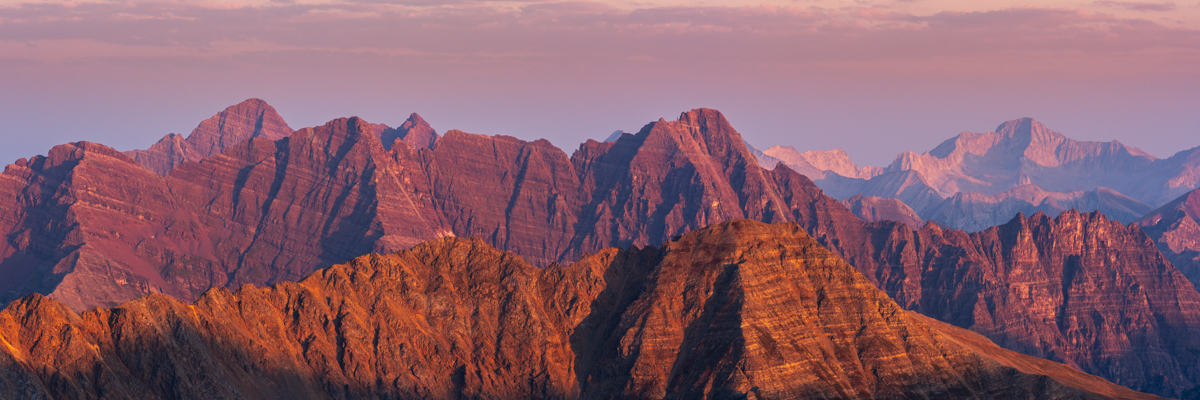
[[253, 118], [736, 310]]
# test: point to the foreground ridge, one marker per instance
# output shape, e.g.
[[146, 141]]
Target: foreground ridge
[[736, 309]]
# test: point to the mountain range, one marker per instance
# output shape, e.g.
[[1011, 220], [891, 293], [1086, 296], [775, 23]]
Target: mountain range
[[90, 226], [455, 318], [977, 180]]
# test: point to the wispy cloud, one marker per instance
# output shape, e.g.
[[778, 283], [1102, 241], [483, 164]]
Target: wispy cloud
[[584, 37], [1138, 5], [469, 25]]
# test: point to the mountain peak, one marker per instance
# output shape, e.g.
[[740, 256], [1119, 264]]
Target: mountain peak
[[1032, 134], [415, 119], [235, 124], [614, 136], [1020, 126], [415, 132], [699, 114], [252, 103], [703, 131], [249, 119]]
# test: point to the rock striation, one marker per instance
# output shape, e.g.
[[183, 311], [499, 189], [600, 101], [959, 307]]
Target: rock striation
[[736, 310], [253, 118], [1176, 228], [1079, 289], [88, 225]]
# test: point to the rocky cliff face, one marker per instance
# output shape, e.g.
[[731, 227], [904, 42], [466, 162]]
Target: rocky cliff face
[[89, 226], [270, 210], [1080, 289], [1176, 228], [669, 178], [252, 118], [280, 209], [519, 196], [736, 310]]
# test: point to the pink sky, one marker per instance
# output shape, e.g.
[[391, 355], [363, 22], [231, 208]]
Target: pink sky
[[875, 78]]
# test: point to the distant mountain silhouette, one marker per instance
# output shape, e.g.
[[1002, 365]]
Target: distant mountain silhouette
[[976, 180]]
